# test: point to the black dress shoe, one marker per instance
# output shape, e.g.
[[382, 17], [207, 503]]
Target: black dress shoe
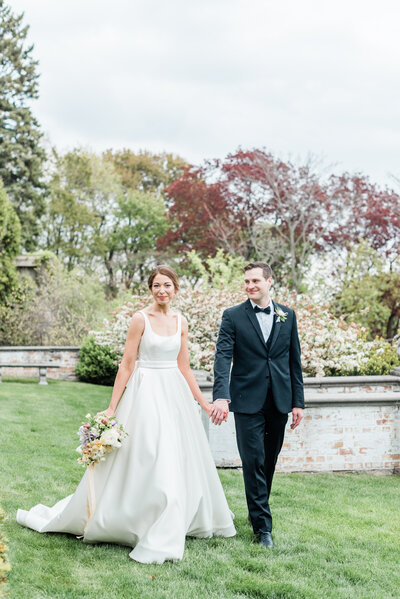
[[266, 539]]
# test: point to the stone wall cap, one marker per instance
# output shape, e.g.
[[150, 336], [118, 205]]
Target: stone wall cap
[[38, 347], [359, 379], [330, 381], [389, 397]]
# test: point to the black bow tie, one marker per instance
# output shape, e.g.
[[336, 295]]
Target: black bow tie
[[266, 310]]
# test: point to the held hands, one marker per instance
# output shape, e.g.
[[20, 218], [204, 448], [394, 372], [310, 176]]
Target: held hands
[[297, 416], [219, 411]]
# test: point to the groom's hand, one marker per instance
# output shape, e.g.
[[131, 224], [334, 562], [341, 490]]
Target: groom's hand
[[219, 411], [297, 416]]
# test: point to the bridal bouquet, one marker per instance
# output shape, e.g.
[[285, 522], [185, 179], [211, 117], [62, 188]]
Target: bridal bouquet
[[99, 435]]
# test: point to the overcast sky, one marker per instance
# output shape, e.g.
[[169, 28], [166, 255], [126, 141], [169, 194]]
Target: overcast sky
[[200, 78]]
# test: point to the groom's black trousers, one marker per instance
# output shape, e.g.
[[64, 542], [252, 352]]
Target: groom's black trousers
[[259, 438]]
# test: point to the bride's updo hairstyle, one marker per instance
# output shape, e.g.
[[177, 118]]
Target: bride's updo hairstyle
[[163, 269]]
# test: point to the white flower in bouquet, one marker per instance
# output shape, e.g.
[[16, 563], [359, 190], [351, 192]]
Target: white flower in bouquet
[[98, 436], [111, 437]]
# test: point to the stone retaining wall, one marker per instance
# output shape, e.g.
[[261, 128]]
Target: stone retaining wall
[[350, 424], [66, 357]]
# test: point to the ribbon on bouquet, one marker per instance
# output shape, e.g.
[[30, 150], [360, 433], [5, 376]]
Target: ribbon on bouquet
[[91, 498]]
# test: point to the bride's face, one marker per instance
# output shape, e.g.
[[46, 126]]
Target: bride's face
[[162, 289]]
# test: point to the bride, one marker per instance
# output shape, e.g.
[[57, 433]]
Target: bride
[[162, 484]]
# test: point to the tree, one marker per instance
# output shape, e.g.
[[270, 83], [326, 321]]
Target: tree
[[284, 207], [69, 216], [96, 223], [145, 171], [250, 205], [139, 221], [10, 234], [222, 271], [193, 206], [364, 211], [127, 224], [21, 155], [58, 308], [259, 207], [370, 293]]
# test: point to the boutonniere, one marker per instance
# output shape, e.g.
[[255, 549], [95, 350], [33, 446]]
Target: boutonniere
[[280, 315]]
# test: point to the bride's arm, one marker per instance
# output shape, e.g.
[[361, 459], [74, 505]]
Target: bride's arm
[[127, 364], [184, 367]]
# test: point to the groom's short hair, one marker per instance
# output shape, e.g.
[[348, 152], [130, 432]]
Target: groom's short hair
[[267, 270]]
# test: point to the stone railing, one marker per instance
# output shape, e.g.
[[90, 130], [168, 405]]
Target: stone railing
[[350, 424], [65, 357]]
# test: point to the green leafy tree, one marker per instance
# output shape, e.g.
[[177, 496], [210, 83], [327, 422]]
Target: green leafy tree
[[58, 308], [21, 155], [221, 271], [10, 234], [95, 222], [370, 294], [138, 220], [69, 216], [146, 171]]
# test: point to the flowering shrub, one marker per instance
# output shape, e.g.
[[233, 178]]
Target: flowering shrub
[[4, 564], [330, 346], [202, 308], [381, 360]]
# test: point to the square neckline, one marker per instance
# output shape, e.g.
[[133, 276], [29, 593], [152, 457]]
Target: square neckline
[[157, 334]]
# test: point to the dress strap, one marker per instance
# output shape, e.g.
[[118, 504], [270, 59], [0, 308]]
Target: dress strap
[[146, 319], [179, 329]]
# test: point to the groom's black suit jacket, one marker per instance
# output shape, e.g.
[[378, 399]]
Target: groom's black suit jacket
[[258, 367]]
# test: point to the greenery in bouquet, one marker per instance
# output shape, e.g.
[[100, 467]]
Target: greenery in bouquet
[[99, 435]]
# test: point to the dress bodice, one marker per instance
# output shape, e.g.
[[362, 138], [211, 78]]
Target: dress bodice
[[158, 350]]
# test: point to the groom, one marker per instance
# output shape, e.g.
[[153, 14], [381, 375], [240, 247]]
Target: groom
[[265, 384]]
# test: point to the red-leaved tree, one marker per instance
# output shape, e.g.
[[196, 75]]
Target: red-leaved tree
[[259, 207], [364, 211], [285, 208], [194, 206]]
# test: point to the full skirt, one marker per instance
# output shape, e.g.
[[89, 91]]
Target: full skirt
[[158, 488]]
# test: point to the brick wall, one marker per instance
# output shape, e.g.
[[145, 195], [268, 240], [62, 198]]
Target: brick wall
[[350, 423], [65, 357]]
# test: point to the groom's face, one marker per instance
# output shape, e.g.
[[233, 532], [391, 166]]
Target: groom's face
[[256, 285]]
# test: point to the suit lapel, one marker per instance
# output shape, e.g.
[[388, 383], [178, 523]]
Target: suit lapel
[[254, 320], [276, 329]]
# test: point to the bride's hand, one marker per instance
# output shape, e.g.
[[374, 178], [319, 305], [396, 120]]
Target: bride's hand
[[207, 409], [219, 411], [109, 413]]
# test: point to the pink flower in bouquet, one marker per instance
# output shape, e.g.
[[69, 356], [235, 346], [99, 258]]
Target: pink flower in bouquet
[[98, 437]]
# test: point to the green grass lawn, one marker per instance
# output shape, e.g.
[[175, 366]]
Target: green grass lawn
[[336, 535]]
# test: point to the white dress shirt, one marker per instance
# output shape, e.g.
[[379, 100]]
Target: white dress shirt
[[266, 321]]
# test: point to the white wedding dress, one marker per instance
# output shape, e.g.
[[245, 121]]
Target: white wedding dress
[[162, 484]]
